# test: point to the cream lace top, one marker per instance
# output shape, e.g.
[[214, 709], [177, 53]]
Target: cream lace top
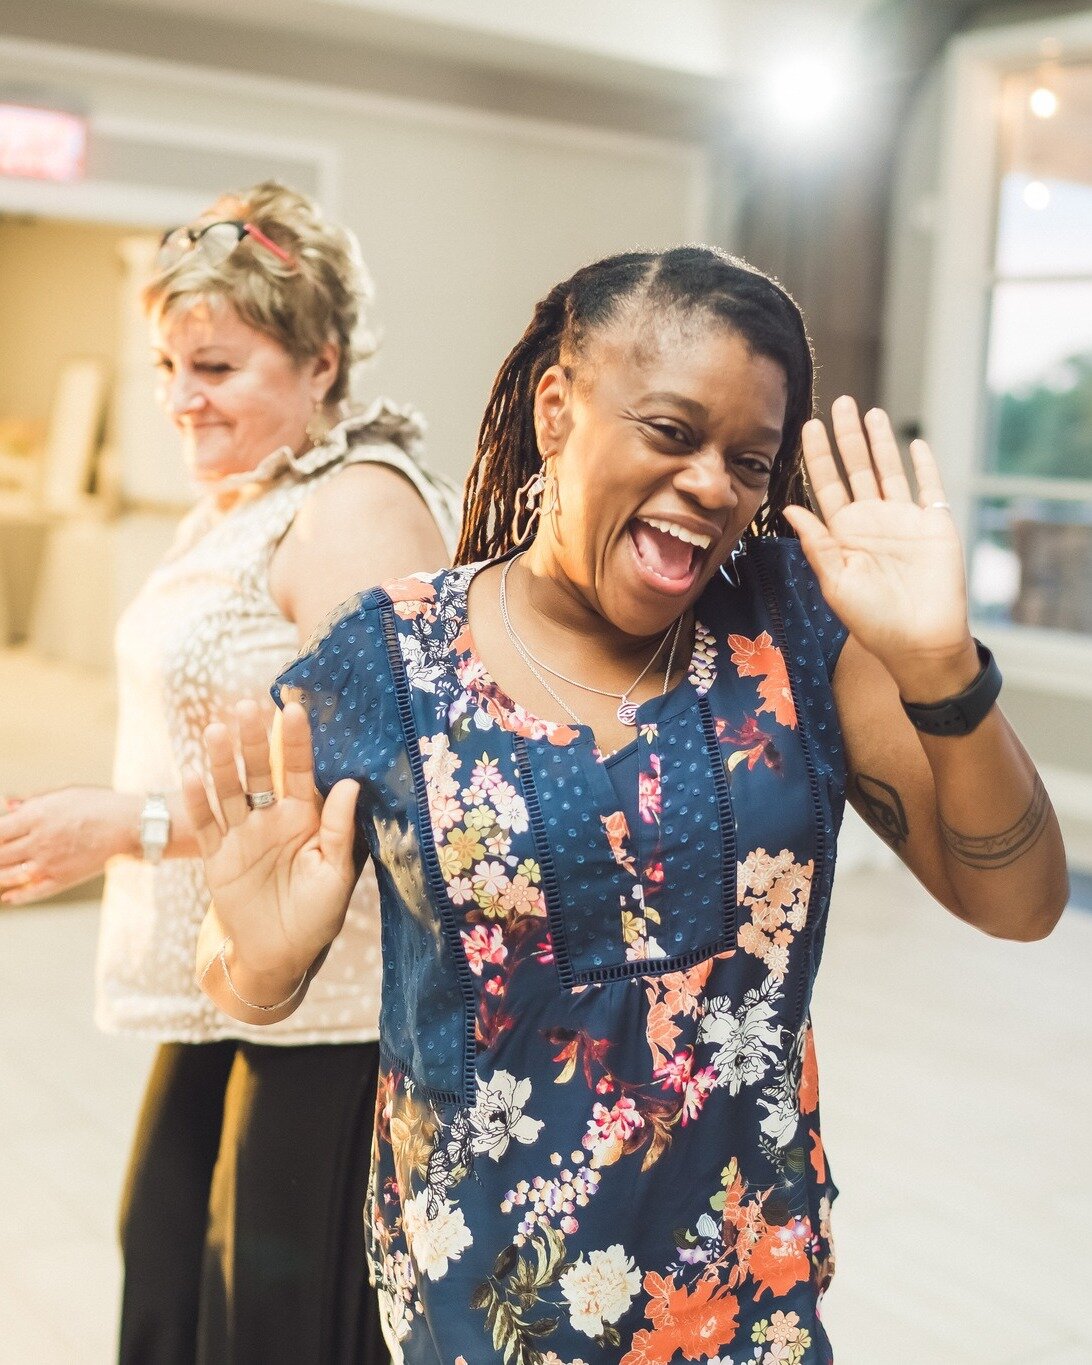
[[203, 633]]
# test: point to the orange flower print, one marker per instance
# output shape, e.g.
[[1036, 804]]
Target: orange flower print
[[779, 1259], [662, 1033], [695, 1322], [809, 1076], [411, 597], [617, 829], [761, 658], [818, 1157]]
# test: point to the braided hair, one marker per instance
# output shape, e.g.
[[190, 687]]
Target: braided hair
[[691, 280]]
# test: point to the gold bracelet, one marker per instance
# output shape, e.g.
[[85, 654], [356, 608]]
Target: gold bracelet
[[262, 1009]]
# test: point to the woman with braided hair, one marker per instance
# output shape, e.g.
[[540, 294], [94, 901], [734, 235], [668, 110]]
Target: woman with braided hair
[[600, 768]]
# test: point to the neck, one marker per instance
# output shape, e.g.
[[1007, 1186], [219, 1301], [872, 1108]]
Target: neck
[[561, 607]]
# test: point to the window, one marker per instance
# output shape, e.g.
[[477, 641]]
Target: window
[[1031, 489]]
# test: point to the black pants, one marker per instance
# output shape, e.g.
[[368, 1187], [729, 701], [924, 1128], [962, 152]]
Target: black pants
[[242, 1219]]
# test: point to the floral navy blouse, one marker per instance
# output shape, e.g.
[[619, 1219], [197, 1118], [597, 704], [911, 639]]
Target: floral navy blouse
[[597, 1132]]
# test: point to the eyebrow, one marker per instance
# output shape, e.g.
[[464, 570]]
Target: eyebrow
[[698, 412]]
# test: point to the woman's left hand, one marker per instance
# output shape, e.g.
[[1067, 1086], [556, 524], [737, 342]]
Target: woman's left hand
[[61, 838], [890, 566]]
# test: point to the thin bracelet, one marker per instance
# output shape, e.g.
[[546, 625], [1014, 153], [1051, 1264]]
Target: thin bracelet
[[262, 1009]]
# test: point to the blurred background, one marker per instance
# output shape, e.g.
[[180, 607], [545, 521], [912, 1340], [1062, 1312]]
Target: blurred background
[[919, 174]]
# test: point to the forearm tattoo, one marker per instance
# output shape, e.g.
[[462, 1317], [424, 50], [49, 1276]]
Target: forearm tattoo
[[987, 851], [882, 807]]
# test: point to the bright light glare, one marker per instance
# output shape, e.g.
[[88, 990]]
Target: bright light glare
[[1036, 195], [804, 93], [1043, 102]]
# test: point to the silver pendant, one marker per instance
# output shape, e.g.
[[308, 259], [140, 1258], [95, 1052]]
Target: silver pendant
[[627, 712]]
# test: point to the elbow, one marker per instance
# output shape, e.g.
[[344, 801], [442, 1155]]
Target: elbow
[[1037, 921], [1025, 922]]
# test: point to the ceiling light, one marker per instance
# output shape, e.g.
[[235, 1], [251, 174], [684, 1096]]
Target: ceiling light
[[803, 93], [1043, 102], [1036, 195]]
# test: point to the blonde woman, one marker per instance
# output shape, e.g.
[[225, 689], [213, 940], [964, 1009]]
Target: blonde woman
[[240, 1222]]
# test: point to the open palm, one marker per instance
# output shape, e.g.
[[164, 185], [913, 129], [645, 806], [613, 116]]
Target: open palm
[[890, 566], [280, 876]]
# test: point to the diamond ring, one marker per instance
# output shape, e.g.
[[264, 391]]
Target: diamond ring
[[259, 800]]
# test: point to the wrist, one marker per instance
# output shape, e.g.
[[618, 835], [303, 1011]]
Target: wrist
[[925, 681], [256, 988], [128, 825]]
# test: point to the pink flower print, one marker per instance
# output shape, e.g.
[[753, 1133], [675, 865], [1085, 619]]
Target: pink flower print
[[544, 951], [491, 878], [608, 1130], [483, 945], [461, 890], [445, 811], [649, 799], [675, 1073], [484, 777], [618, 1122], [495, 985], [698, 1089], [522, 897]]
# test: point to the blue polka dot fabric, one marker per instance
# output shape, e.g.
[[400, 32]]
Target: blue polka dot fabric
[[597, 1131]]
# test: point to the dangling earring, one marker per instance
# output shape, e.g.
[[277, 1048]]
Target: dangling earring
[[530, 499], [318, 424]]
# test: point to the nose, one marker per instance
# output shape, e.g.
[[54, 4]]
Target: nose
[[182, 394], [705, 478]]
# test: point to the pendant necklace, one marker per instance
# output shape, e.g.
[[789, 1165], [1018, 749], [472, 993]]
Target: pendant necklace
[[627, 710]]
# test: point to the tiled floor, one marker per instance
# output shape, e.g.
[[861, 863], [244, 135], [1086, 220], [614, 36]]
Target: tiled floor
[[957, 1111]]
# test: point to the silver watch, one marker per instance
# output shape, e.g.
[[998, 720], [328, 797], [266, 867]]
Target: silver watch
[[155, 827]]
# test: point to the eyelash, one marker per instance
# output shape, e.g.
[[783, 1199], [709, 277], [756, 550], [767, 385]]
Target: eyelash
[[755, 467], [165, 365]]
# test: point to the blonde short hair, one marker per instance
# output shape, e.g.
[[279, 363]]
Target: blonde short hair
[[320, 298]]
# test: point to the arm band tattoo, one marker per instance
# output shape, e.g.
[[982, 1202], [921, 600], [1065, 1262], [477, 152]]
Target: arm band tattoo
[[986, 851], [883, 809]]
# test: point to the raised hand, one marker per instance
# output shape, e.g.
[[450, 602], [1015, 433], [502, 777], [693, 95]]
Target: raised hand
[[890, 566], [280, 875]]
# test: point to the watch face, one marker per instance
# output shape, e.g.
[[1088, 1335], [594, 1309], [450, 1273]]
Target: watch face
[[156, 830]]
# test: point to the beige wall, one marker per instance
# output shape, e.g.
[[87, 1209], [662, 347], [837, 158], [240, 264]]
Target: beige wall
[[58, 298], [465, 219]]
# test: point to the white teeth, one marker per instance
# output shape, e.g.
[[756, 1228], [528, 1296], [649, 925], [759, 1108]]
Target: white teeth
[[680, 533]]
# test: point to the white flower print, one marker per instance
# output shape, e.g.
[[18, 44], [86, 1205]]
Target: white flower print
[[600, 1288], [511, 808], [423, 672], [749, 1039], [782, 1113], [498, 1115], [434, 1242]]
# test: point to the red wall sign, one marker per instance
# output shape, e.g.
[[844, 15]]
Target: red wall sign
[[41, 144]]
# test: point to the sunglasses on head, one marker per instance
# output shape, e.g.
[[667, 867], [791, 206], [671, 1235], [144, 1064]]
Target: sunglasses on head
[[215, 242]]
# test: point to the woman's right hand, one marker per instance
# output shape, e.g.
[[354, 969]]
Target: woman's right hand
[[280, 876]]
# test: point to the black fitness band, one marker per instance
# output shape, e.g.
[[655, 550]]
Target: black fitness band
[[961, 714]]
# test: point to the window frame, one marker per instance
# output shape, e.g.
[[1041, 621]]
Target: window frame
[[962, 280]]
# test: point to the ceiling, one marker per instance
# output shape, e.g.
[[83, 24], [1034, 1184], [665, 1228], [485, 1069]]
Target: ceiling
[[672, 48]]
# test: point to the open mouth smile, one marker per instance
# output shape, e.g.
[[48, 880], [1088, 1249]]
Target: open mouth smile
[[668, 555]]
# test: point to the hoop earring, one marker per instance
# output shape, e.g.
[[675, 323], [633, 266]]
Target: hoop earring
[[318, 425], [532, 496]]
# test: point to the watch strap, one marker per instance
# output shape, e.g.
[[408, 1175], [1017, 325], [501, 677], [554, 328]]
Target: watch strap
[[961, 714]]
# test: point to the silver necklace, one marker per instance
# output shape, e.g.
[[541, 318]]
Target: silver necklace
[[627, 710]]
